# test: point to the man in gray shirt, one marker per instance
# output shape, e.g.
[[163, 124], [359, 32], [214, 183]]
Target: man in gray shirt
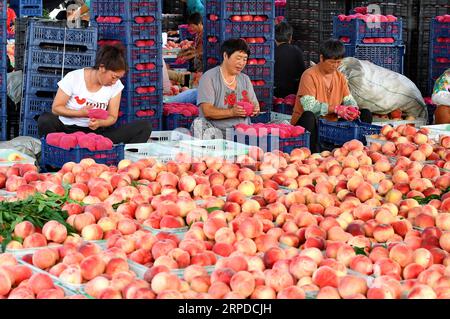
[[219, 91]]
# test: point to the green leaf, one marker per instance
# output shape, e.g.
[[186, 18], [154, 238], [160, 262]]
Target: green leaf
[[116, 205], [359, 251], [211, 209]]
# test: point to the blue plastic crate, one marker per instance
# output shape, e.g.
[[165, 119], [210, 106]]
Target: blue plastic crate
[[439, 50], [37, 57], [249, 29], [134, 79], [3, 128], [387, 56], [35, 82], [128, 32], [264, 92], [3, 11], [263, 50], [337, 133], [226, 8], [283, 108], [357, 30], [3, 80], [173, 121], [57, 157], [24, 8], [280, 11], [28, 127], [40, 32], [33, 106], [436, 70], [439, 30], [272, 142], [131, 102], [366, 129], [128, 10], [156, 120], [260, 71]]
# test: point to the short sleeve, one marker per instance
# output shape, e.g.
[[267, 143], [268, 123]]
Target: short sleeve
[[117, 88], [250, 90], [205, 90], [68, 82], [307, 86]]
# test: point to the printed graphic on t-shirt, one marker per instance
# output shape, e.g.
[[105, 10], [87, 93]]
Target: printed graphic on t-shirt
[[230, 98], [95, 105]]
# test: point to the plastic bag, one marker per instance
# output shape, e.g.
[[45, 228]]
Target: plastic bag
[[381, 90], [28, 145], [14, 85]]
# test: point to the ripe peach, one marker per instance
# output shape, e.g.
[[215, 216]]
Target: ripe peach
[[24, 229], [34, 240], [383, 232], [328, 292], [325, 276], [401, 254], [39, 282], [278, 279], [351, 285]]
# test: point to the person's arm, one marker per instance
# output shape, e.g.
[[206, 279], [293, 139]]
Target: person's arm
[[251, 95], [59, 106], [441, 93], [113, 113], [349, 100], [215, 113]]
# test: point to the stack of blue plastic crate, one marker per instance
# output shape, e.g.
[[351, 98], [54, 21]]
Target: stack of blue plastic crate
[[52, 50], [27, 8], [439, 50], [259, 34], [137, 26], [3, 105], [358, 32]]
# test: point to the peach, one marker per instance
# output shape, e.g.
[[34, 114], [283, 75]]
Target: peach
[[383, 232], [34, 240], [278, 279], [361, 264], [242, 283], [423, 257], [165, 281], [386, 266], [39, 282], [212, 225], [325, 276], [96, 286], [401, 254], [444, 241], [412, 271], [328, 292], [71, 275], [24, 229], [292, 292], [351, 285], [301, 266], [92, 267], [116, 265], [420, 291], [44, 258]]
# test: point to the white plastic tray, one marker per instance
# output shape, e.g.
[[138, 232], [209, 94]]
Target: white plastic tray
[[417, 122]]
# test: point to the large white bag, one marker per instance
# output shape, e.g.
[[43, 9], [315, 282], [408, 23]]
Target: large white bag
[[381, 90]]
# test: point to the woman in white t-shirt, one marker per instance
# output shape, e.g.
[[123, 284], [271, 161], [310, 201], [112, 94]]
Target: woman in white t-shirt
[[98, 87]]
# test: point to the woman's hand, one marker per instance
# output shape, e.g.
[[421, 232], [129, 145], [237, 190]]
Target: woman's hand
[[85, 110], [256, 110], [238, 111], [94, 124]]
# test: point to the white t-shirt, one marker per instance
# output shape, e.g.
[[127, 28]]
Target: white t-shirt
[[74, 85]]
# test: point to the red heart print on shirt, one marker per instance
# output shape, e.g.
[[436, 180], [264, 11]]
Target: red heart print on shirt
[[80, 101]]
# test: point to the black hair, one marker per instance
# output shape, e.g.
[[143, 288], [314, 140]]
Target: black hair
[[232, 45], [332, 49], [195, 18], [283, 32], [112, 57]]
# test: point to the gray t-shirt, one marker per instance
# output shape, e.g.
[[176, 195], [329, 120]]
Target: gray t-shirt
[[213, 90]]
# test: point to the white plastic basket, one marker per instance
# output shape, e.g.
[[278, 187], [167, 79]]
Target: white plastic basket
[[219, 148], [5, 153], [370, 140], [274, 116], [161, 152], [438, 130], [170, 136], [417, 122]]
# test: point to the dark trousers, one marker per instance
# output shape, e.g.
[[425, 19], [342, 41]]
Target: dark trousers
[[134, 132], [311, 123]]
